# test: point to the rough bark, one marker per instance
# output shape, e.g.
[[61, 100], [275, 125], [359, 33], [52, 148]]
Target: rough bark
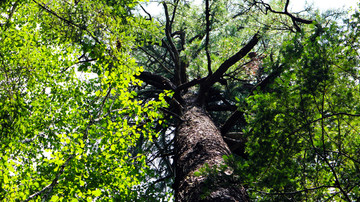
[[199, 143]]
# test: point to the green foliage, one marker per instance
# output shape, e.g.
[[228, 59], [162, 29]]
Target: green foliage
[[69, 117], [303, 134], [74, 125]]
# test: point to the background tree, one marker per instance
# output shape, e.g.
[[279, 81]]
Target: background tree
[[68, 117]]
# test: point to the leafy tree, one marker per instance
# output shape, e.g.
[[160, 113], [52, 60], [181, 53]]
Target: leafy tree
[[69, 116], [275, 87], [224, 101]]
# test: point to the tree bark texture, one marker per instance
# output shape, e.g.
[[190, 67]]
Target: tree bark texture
[[199, 142]]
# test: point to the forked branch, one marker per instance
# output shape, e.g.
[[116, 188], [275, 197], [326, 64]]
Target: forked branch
[[294, 19]]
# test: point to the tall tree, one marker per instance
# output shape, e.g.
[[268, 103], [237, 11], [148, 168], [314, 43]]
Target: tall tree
[[254, 79], [223, 101]]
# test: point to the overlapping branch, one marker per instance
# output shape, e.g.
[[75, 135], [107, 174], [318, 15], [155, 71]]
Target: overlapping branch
[[215, 77], [294, 19], [172, 49]]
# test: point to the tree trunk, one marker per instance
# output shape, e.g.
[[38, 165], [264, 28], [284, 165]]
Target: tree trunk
[[198, 143]]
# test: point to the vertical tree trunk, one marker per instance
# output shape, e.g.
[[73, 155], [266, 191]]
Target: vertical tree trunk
[[199, 142]]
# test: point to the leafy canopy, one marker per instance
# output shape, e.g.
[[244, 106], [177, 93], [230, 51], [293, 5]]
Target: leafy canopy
[[69, 117]]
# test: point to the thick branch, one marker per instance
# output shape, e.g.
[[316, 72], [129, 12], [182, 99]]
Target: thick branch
[[269, 79], [221, 108], [156, 81], [232, 120], [211, 79], [174, 12], [189, 84], [231, 61]]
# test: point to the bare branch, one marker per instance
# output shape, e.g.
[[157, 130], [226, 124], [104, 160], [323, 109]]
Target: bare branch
[[237, 116], [207, 14], [157, 60], [156, 80], [147, 13], [215, 77], [173, 51], [294, 19]]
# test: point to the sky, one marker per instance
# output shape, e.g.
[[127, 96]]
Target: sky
[[295, 5], [324, 4]]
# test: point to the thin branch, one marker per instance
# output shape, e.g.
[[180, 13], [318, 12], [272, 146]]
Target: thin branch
[[38, 193], [207, 15], [319, 119], [297, 192], [51, 186], [150, 18], [285, 12], [157, 60], [173, 51], [337, 182], [10, 15], [43, 6]]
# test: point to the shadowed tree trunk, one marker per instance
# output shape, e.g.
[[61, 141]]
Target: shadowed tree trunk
[[199, 143]]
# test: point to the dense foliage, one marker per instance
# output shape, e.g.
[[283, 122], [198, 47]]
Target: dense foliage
[[69, 119], [306, 126], [91, 92]]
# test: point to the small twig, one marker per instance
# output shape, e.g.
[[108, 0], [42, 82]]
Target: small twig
[[10, 15], [297, 192], [51, 186]]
